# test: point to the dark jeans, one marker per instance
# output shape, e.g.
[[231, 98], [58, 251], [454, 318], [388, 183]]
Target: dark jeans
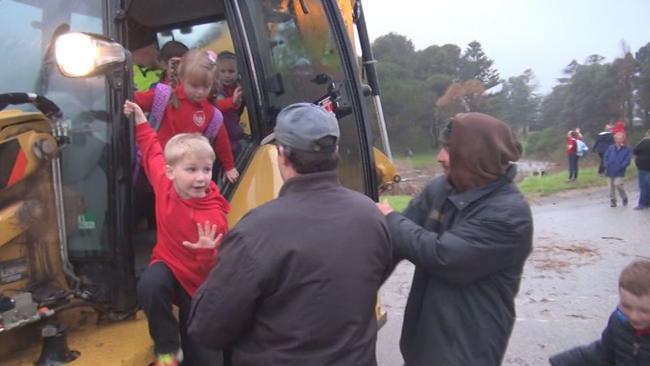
[[601, 166], [573, 167], [158, 289], [644, 188]]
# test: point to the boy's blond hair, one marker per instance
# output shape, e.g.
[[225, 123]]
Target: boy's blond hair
[[635, 278], [187, 144]]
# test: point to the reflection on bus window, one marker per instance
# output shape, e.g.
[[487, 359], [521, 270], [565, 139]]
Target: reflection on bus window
[[300, 59]]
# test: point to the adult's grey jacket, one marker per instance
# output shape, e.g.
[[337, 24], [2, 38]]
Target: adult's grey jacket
[[469, 250], [297, 280]]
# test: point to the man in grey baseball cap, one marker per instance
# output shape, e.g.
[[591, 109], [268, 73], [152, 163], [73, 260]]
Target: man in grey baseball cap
[[303, 126], [297, 278]]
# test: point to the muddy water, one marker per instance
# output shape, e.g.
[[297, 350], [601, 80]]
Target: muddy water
[[569, 286]]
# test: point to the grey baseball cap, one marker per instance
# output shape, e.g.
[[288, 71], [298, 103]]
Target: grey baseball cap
[[300, 126]]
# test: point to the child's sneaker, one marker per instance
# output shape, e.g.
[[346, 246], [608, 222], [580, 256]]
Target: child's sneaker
[[613, 204], [624, 201], [169, 359]]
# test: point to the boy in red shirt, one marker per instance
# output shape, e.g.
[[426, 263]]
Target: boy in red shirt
[[191, 220]]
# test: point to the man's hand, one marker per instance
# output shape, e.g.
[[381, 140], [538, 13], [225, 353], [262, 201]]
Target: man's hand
[[208, 238], [384, 207], [131, 108], [232, 175]]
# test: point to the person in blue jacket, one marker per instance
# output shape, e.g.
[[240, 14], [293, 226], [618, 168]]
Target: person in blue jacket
[[617, 158]]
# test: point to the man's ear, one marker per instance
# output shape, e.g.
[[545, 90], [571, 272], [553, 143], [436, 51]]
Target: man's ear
[[169, 172], [282, 158]]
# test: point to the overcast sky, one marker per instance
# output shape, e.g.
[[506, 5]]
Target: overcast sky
[[519, 34]]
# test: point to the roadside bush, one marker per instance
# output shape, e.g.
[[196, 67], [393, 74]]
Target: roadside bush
[[543, 143]]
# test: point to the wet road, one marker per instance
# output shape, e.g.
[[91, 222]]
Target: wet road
[[570, 280]]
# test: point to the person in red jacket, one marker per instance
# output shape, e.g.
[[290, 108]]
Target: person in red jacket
[[572, 153], [189, 110], [191, 220], [228, 97]]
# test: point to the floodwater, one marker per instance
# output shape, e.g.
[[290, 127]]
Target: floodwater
[[570, 280]]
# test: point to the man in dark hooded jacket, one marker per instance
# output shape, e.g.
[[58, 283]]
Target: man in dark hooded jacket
[[468, 234]]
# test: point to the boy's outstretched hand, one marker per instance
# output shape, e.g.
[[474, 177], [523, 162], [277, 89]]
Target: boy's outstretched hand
[[208, 238], [131, 108]]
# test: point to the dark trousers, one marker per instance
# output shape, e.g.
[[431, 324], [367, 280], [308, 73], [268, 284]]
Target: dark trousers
[[158, 289], [601, 166], [644, 188], [573, 167]]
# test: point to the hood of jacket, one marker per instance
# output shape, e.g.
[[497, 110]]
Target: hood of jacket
[[481, 148]]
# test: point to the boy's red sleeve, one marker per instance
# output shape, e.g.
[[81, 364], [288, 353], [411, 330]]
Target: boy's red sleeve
[[222, 148], [226, 104], [152, 159], [144, 99]]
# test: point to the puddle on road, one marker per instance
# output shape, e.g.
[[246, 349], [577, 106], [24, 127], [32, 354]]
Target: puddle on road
[[562, 257]]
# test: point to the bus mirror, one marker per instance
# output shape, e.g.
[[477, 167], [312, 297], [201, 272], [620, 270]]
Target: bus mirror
[[82, 54]]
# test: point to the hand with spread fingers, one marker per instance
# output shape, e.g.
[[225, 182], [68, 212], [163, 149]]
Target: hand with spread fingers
[[208, 238]]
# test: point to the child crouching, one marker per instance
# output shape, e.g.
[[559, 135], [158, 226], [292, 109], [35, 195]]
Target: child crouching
[[626, 340]]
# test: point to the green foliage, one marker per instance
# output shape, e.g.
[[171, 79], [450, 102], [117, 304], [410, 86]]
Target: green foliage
[[643, 83], [543, 143], [415, 83], [398, 203], [395, 48], [476, 65], [419, 160], [517, 103], [438, 60], [556, 182]]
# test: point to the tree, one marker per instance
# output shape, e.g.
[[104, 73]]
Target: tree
[[476, 65], [642, 83], [438, 60], [624, 70], [517, 103], [395, 48]]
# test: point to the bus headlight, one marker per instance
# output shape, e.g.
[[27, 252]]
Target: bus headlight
[[82, 54]]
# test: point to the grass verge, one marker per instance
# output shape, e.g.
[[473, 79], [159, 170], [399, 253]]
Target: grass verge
[[556, 182], [418, 161], [398, 203], [538, 185]]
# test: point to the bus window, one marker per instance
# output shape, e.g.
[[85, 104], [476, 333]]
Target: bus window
[[301, 62]]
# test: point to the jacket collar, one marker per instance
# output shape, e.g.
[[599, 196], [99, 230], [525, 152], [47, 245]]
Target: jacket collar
[[181, 95], [624, 319], [310, 182], [464, 199]]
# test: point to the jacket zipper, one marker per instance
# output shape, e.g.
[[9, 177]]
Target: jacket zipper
[[635, 352]]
